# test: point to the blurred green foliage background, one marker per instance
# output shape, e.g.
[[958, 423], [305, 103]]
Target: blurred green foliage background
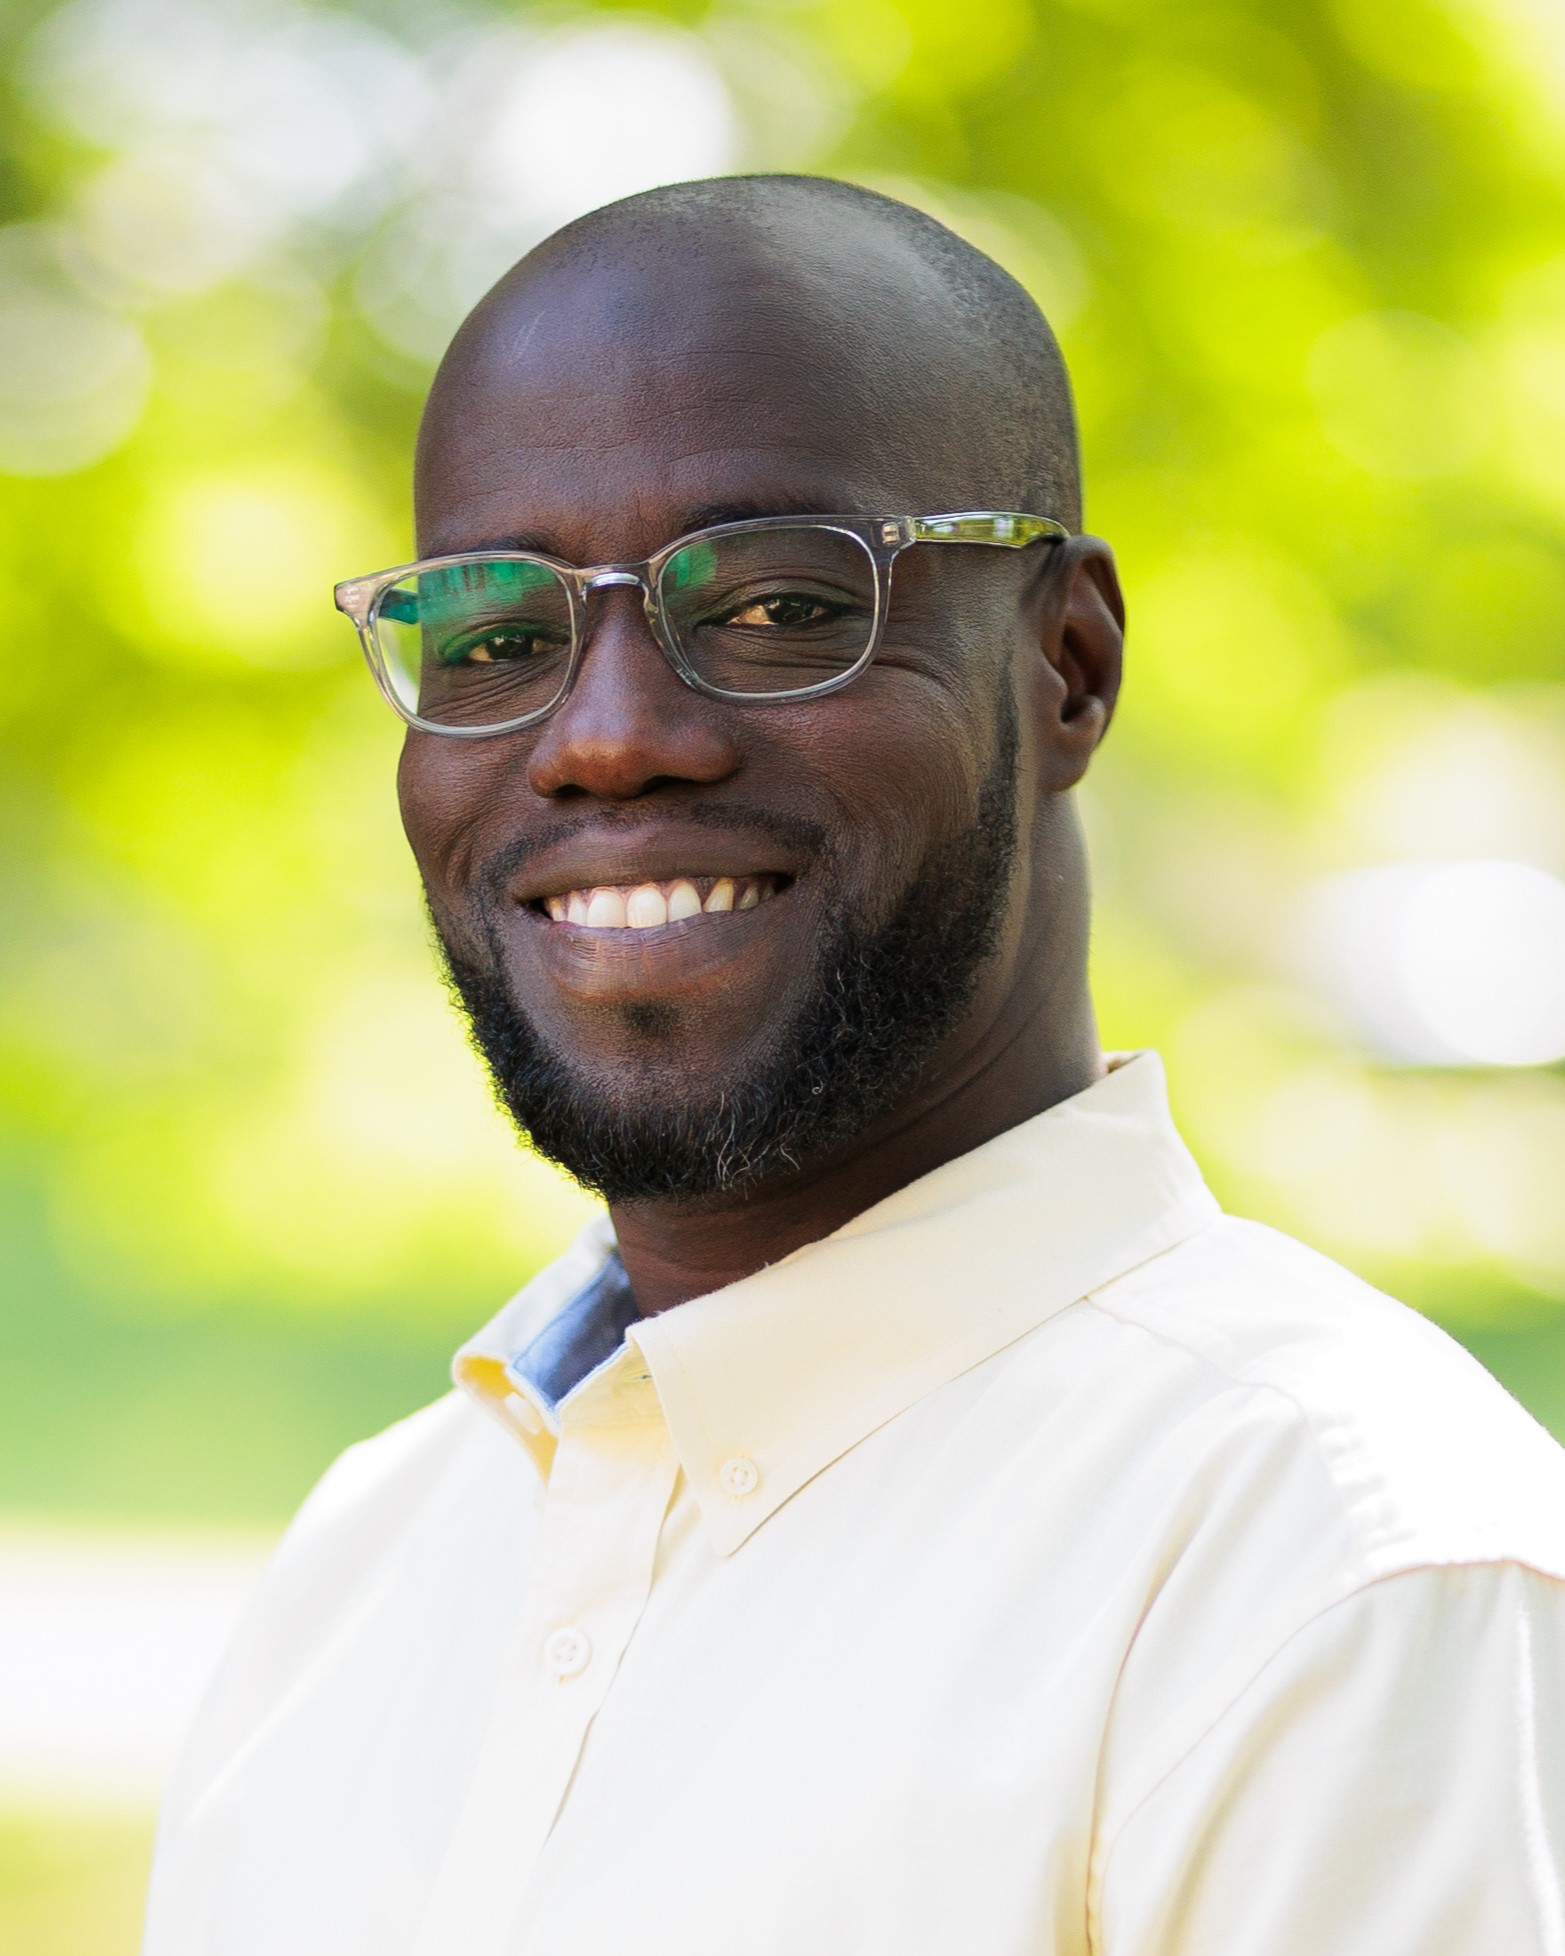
[[1308, 265]]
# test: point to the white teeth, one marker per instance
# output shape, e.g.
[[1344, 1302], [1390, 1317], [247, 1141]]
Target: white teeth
[[646, 907]]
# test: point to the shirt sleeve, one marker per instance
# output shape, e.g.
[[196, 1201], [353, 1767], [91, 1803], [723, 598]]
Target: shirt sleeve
[[1392, 1783]]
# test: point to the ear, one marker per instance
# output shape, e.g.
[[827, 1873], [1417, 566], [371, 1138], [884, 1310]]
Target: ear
[[1081, 627]]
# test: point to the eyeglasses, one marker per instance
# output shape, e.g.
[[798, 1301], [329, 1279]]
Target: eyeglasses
[[780, 608]]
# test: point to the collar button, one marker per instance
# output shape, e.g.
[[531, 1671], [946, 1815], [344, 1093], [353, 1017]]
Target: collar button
[[738, 1477]]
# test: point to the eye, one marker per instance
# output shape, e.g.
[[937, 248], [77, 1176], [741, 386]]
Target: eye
[[787, 611], [500, 648]]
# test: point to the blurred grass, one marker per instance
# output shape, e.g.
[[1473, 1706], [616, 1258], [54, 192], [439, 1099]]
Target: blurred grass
[[72, 1885], [1529, 1361], [202, 1418]]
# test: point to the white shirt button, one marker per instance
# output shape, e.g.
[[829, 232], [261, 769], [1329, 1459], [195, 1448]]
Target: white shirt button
[[567, 1651], [738, 1477]]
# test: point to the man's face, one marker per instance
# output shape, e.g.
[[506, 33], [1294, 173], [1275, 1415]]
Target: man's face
[[599, 419]]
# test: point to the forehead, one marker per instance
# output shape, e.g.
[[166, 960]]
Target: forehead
[[599, 408]]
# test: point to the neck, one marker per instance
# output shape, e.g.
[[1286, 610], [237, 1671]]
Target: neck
[[1029, 1061]]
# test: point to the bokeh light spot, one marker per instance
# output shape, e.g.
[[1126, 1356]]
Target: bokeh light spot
[[73, 374], [596, 112], [72, 382], [1446, 964], [240, 566]]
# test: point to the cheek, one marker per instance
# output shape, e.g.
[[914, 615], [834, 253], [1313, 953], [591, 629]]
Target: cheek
[[904, 762], [452, 795]]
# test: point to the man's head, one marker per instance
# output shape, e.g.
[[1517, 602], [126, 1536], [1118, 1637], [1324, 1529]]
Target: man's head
[[744, 347]]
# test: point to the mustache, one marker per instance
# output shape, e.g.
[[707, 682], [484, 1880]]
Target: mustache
[[796, 833]]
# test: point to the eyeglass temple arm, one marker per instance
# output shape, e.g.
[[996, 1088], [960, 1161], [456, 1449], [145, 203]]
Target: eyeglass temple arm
[[1008, 527]]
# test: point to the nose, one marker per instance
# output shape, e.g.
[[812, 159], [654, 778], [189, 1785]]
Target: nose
[[630, 723]]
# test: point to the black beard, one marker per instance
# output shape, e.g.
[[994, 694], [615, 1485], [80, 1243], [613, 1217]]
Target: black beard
[[882, 1000]]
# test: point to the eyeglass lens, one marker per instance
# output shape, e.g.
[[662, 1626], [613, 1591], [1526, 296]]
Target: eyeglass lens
[[488, 641], [478, 643], [770, 611]]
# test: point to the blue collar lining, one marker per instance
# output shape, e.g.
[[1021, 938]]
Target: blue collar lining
[[581, 1336]]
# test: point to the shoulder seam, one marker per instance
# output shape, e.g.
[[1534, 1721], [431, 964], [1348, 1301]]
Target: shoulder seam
[[1368, 1537], [1234, 1378]]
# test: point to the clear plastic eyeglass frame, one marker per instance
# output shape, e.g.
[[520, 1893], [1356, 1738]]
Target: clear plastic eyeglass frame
[[882, 538]]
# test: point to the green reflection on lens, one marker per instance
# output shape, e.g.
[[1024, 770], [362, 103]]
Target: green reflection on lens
[[695, 565], [450, 592]]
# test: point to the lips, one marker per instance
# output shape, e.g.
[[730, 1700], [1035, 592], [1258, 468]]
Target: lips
[[648, 905]]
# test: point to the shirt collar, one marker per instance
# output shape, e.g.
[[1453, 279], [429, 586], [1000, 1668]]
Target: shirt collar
[[492, 1366], [765, 1383]]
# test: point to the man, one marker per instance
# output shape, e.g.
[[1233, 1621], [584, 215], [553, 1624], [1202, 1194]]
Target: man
[[916, 1519]]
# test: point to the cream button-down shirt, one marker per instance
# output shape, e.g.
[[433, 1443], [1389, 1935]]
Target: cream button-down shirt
[[1045, 1563]]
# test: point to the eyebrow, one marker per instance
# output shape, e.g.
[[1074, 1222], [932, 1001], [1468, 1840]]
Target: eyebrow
[[536, 543], [709, 515], [706, 516]]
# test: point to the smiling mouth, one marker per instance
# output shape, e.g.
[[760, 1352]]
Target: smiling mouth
[[646, 906]]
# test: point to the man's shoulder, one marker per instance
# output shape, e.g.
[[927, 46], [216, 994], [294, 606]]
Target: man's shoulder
[[1428, 1459], [395, 1518], [393, 1485]]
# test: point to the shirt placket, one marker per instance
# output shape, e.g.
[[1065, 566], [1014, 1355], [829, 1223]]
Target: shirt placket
[[604, 1502]]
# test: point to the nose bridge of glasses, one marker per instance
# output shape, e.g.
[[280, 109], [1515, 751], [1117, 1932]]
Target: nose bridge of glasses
[[609, 577]]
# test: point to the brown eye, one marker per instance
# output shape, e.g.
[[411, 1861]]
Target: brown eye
[[501, 648], [507, 645], [787, 612]]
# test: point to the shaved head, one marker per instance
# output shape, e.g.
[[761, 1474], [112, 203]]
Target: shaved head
[[952, 352]]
